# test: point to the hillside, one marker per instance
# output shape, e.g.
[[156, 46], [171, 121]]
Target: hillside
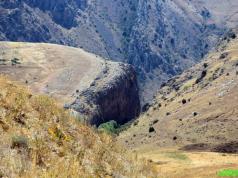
[[193, 114], [159, 38], [196, 107], [80, 80], [40, 139], [123, 88]]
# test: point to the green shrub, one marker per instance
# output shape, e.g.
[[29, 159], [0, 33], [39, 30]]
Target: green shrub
[[19, 142], [15, 61], [109, 127]]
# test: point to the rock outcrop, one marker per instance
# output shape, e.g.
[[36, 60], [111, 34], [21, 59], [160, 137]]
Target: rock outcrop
[[97, 89], [112, 96]]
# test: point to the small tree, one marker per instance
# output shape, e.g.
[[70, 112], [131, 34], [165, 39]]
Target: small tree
[[3, 61], [15, 61]]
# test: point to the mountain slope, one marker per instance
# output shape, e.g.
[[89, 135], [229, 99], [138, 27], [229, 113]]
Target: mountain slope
[[190, 130], [196, 110], [40, 139], [160, 38], [90, 83]]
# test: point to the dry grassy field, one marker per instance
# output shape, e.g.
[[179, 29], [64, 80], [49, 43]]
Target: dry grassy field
[[174, 163]]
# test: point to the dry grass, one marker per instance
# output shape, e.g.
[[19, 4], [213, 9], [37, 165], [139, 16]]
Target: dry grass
[[209, 115], [39, 139], [214, 100], [188, 84], [172, 163]]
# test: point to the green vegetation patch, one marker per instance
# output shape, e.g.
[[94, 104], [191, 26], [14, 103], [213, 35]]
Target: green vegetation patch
[[109, 127], [177, 155], [228, 173], [113, 128]]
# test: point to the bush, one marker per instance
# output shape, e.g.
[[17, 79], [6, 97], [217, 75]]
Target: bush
[[184, 101], [19, 142], [15, 61], [109, 127], [223, 55], [151, 129]]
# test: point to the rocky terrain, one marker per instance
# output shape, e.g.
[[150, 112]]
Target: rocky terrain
[[97, 89], [196, 110], [114, 97], [160, 38], [183, 51], [191, 130]]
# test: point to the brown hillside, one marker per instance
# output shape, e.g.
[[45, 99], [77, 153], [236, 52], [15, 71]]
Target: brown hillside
[[51, 69], [198, 109], [191, 129], [38, 139]]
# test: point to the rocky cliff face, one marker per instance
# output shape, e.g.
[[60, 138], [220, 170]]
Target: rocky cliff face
[[107, 99], [159, 38], [98, 90], [62, 12]]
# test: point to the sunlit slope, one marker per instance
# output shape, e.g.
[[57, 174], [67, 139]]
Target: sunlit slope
[[198, 109], [53, 69], [39, 139]]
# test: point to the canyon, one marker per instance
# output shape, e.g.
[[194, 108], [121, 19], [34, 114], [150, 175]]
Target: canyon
[[159, 38]]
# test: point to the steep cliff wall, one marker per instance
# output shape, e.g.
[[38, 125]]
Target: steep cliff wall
[[113, 96]]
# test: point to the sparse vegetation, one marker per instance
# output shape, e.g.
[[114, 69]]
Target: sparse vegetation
[[175, 138], [113, 128], [195, 114], [15, 61], [184, 101], [202, 75], [51, 143], [188, 84], [109, 127], [215, 71], [19, 142], [177, 155], [151, 129], [155, 121], [223, 55], [205, 65], [3, 61], [201, 120]]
